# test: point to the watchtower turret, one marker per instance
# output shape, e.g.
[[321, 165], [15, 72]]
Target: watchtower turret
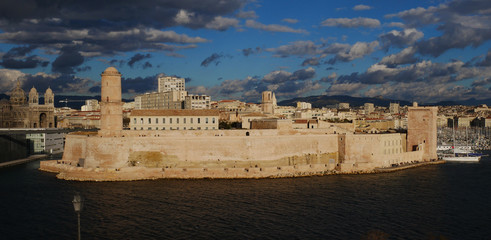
[[111, 104]]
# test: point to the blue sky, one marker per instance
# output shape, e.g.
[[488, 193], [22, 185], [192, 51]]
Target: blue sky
[[425, 51]]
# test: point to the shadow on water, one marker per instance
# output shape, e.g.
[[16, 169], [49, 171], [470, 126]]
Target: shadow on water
[[449, 200]]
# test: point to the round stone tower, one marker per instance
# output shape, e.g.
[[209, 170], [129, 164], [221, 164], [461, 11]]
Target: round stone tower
[[111, 105]]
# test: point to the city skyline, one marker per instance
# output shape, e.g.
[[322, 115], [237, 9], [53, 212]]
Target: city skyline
[[416, 51]]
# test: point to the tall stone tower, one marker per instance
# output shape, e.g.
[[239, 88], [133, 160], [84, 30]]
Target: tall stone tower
[[421, 131], [111, 105], [267, 103]]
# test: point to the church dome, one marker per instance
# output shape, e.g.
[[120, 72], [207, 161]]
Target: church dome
[[49, 91], [18, 96]]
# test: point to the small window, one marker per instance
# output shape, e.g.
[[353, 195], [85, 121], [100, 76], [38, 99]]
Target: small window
[[134, 120], [206, 120], [199, 128], [191, 120], [213, 120], [199, 120], [163, 120], [149, 120], [156, 120], [184, 120], [163, 128], [149, 128], [141, 120], [170, 121], [177, 120]]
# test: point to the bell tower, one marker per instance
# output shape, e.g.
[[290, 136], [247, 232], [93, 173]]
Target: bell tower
[[268, 99], [33, 97], [111, 104]]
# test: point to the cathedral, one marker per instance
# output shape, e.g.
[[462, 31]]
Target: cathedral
[[22, 112]]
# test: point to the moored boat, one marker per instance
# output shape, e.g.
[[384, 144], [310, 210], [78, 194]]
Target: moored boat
[[456, 158]]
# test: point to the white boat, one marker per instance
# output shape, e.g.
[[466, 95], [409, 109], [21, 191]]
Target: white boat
[[456, 158], [460, 154]]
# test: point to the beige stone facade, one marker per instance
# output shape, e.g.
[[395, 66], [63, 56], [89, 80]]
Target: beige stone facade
[[171, 83], [111, 104], [174, 119], [369, 108], [22, 112], [197, 102], [161, 100], [421, 131], [268, 102]]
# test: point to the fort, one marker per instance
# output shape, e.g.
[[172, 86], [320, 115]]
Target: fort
[[271, 149]]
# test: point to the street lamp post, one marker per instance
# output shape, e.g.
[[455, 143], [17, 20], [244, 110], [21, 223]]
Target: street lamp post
[[77, 205]]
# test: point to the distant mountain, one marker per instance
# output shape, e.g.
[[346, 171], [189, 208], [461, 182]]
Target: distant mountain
[[323, 100], [468, 102]]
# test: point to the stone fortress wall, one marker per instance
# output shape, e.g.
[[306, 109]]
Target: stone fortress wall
[[114, 154], [225, 154]]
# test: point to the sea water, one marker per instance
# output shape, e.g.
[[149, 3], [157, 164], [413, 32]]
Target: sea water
[[451, 201]]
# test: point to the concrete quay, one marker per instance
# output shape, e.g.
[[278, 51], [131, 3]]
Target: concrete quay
[[22, 161], [407, 166]]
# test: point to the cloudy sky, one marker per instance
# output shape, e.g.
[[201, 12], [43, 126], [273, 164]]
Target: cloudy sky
[[423, 51]]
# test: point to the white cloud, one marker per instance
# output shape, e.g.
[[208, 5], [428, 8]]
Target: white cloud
[[222, 23], [183, 17], [246, 14], [357, 50], [290, 20], [351, 22], [298, 48], [273, 27], [401, 38], [403, 57], [361, 7], [9, 78]]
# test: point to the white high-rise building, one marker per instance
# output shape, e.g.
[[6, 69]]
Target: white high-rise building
[[369, 108], [394, 108], [168, 83], [304, 105]]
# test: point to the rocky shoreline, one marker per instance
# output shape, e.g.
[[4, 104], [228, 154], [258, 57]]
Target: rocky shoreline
[[73, 173]]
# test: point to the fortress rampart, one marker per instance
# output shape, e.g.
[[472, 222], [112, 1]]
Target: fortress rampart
[[225, 154], [114, 154]]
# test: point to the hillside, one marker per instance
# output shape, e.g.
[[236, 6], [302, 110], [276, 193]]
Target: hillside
[[323, 101]]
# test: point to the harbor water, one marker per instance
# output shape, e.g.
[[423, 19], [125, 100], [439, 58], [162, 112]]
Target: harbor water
[[446, 201]]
